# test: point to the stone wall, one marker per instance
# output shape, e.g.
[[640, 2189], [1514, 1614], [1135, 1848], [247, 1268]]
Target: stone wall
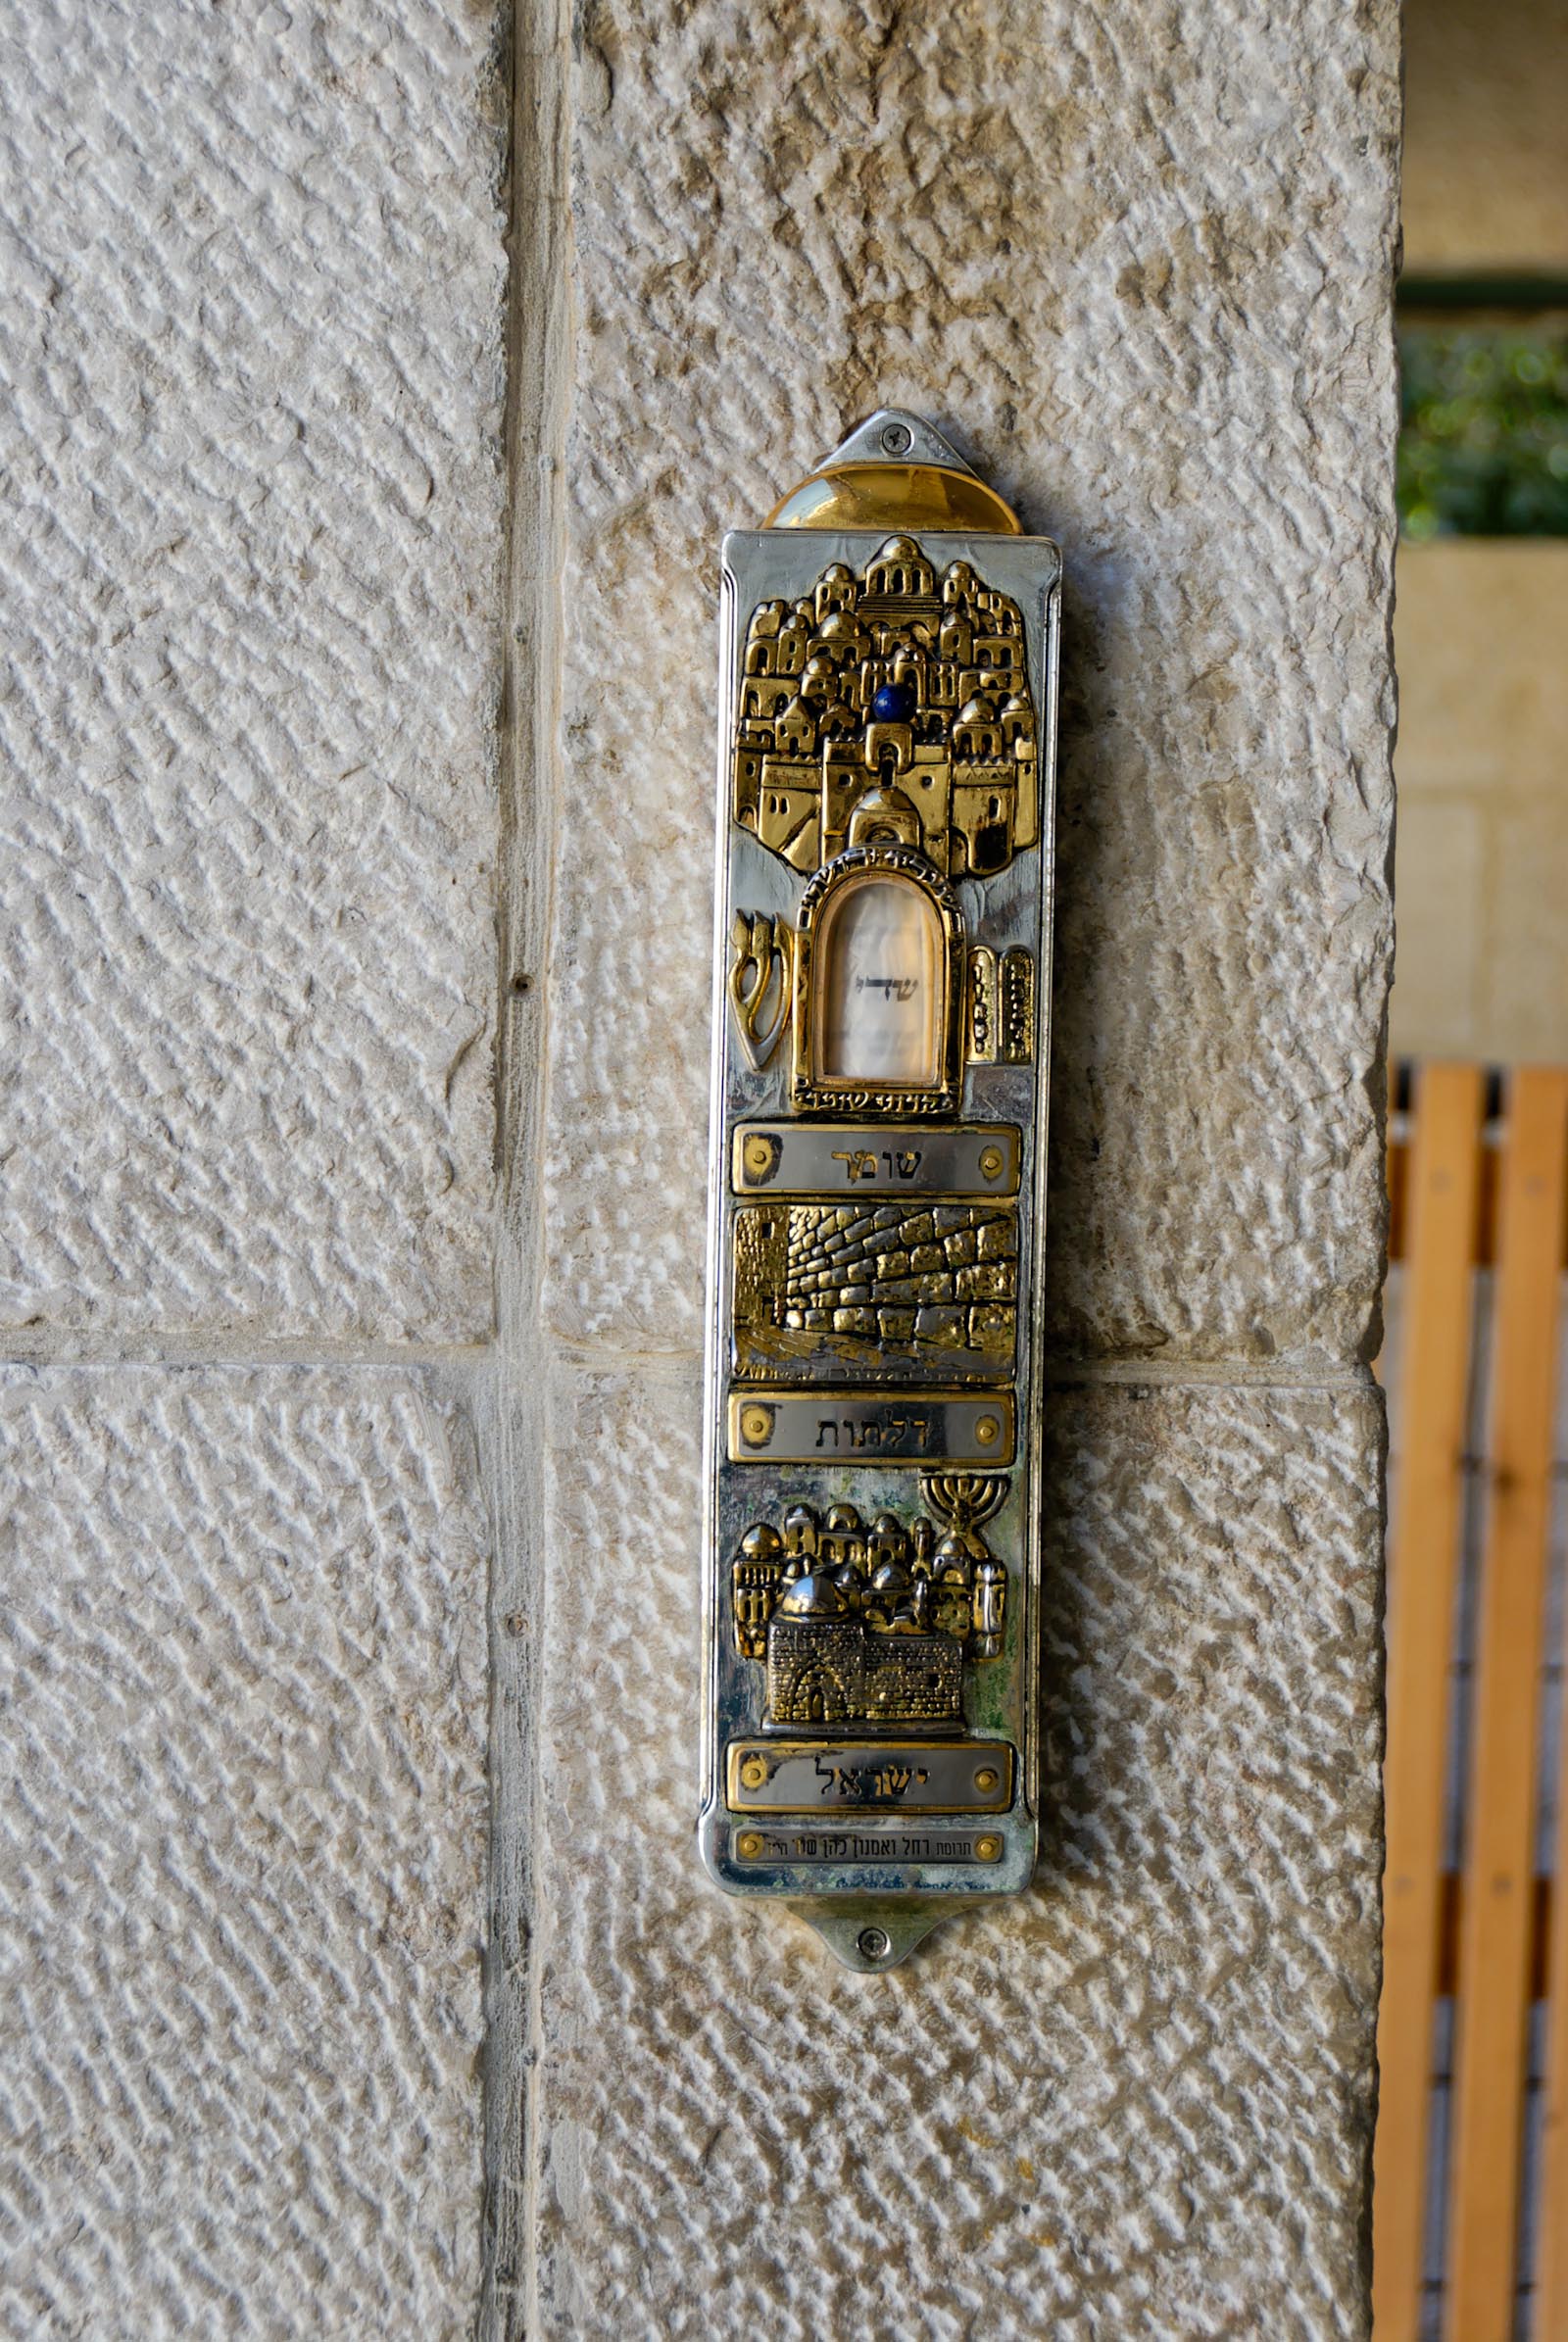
[[1142, 272], [303, 1333], [1484, 185], [251, 384], [1482, 960]]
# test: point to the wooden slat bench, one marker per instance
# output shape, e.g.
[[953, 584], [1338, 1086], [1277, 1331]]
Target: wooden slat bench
[[1475, 1183]]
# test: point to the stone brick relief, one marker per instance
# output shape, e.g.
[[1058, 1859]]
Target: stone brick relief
[[877, 1288]]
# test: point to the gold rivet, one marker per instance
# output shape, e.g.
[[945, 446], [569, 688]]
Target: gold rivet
[[985, 1781], [987, 1849], [754, 1772], [749, 1845], [755, 1424], [986, 1430], [991, 1162], [757, 1156]]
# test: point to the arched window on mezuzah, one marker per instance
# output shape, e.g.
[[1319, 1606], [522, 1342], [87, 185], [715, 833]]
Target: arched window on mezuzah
[[880, 960], [881, 990]]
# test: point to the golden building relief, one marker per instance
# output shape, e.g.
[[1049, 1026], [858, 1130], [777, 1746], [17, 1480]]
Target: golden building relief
[[890, 707], [869, 1623]]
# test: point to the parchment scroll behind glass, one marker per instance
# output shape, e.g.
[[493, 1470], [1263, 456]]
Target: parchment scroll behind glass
[[881, 1014]]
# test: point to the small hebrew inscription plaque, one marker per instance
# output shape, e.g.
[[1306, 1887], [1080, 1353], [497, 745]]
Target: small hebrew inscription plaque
[[868, 1427], [866, 1159], [911, 1776], [836, 1845]]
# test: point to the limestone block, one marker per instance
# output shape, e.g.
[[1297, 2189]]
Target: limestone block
[[250, 393], [1142, 274], [1442, 967], [1484, 698], [1137, 2101], [1483, 865], [1526, 1012], [1482, 185], [242, 1720]]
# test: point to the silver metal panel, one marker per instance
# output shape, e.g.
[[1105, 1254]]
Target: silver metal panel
[[867, 1777], [893, 435]]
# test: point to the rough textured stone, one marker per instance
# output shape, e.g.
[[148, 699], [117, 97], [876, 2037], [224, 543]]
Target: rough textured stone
[[1142, 271], [242, 1715], [1134, 2102], [249, 423]]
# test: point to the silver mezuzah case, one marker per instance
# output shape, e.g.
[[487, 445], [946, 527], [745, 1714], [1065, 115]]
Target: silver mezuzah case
[[886, 751]]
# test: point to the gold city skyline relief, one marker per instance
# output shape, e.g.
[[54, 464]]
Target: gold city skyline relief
[[892, 707]]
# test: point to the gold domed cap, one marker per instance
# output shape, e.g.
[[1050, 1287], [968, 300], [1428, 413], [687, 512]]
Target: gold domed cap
[[896, 471]]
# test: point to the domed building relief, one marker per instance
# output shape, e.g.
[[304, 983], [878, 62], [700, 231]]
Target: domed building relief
[[903, 684], [869, 1625]]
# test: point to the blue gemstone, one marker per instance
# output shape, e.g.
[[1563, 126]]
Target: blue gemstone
[[894, 704]]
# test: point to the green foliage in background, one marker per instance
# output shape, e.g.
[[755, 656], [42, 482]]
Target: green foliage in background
[[1484, 447]]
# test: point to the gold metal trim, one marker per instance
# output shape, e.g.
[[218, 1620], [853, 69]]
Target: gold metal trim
[[1017, 1007], [761, 990]]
